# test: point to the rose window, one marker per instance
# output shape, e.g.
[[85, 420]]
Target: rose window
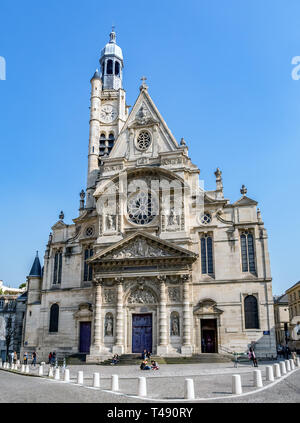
[[89, 231], [205, 219], [140, 208], [143, 140]]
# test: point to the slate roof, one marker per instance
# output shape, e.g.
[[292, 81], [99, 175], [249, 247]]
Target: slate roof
[[36, 269]]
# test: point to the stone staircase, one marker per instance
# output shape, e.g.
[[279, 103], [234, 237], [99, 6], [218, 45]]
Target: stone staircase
[[135, 359]]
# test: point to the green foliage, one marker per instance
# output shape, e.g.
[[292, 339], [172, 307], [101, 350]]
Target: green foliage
[[23, 285]]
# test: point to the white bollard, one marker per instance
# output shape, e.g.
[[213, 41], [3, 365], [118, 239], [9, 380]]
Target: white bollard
[[257, 379], [96, 380], [236, 385], [277, 370], [297, 362], [43, 363], [142, 387], [67, 375], [0, 363], [189, 392], [12, 366], [27, 368], [269, 374], [57, 374], [114, 382], [18, 362], [41, 371], [287, 365], [50, 374], [23, 368], [282, 367], [292, 365], [80, 377]]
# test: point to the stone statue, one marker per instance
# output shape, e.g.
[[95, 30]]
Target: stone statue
[[175, 326], [108, 325], [110, 223]]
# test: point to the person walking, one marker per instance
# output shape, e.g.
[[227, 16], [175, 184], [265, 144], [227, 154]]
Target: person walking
[[252, 357], [15, 357], [25, 357], [50, 358], [33, 363]]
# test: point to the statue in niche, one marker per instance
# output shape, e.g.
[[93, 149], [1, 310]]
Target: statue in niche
[[108, 325], [110, 222], [175, 325]]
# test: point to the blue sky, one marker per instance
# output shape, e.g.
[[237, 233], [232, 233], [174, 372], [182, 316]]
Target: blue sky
[[219, 72]]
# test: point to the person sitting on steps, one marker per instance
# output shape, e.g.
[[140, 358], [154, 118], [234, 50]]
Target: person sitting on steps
[[144, 365]]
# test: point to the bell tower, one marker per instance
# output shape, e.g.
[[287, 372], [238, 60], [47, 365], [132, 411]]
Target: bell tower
[[108, 111], [111, 62]]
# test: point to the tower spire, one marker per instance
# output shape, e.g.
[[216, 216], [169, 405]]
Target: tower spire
[[112, 35]]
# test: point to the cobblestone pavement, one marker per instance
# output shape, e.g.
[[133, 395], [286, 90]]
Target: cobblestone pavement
[[210, 380]]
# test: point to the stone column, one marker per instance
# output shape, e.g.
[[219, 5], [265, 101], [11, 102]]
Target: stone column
[[186, 348], [162, 347], [118, 348], [96, 342]]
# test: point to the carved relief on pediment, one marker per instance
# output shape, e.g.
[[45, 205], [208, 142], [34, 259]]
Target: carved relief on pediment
[[84, 311], [141, 296], [207, 307], [140, 248]]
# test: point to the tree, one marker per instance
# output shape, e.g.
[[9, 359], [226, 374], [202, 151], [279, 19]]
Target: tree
[[9, 334], [23, 285]]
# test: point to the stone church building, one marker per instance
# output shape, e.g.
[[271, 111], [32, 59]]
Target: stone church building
[[152, 261]]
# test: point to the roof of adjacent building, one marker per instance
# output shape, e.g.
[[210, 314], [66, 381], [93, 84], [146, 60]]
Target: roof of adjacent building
[[297, 283], [36, 269], [281, 299]]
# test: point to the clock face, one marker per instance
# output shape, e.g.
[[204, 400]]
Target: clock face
[[108, 113]]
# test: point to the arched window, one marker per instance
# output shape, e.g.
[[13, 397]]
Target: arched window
[[106, 144], [57, 267], [251, 312], [117, 68], [247, 250], [54, 313], [206, 255], [109, 67], [88, 270]]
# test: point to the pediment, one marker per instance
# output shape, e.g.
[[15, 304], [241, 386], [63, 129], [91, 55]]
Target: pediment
[[144, 114], [245, 201], [59, 225], [207, 307], [143, 246]]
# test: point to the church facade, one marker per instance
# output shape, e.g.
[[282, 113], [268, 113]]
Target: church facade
[[152, 261]]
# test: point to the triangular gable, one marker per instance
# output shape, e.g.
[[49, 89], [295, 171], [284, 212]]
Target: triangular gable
[[245, 201], [142, 245], [59, 225], [144, 114]]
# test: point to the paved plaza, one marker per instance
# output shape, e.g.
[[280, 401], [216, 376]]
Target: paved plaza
[[212, 382]]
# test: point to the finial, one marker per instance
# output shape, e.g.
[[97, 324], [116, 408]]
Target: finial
[[219, 182], [243, 190], [112, 35], [37, 254], [259, 219], [144, 85], [50, 238], [182, 141], [61, 215]]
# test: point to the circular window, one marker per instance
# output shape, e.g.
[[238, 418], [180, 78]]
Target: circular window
[[89, 231], [205, 219], [141, 207], [143, 140]]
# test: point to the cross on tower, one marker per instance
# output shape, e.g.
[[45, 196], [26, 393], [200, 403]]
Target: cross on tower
[[144, 85], [143, 78]]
